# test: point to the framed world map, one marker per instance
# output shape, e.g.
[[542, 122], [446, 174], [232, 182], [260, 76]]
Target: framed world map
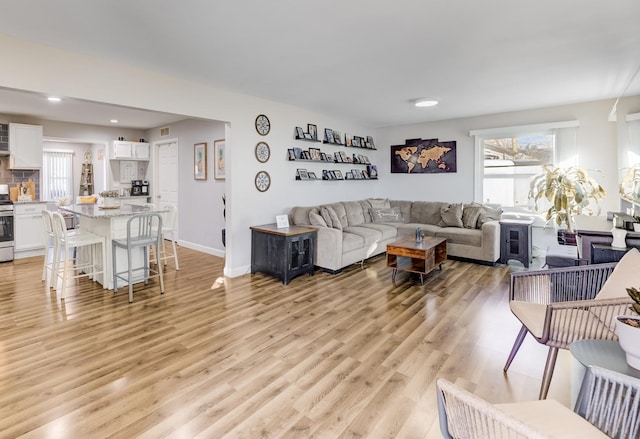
[[424, 156]]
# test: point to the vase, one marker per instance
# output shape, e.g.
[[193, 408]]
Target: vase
[[108, 201], [619, 236], [629, 338]]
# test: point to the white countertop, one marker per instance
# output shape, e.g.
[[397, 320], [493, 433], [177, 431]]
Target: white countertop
[[97, 211]]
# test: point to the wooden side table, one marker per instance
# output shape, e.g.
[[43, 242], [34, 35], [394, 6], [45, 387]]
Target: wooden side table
[[515, 241], [283, 253]]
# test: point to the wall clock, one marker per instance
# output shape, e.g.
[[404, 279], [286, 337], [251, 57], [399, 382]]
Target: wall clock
[[263, 181], [263, 126], [262, 152]]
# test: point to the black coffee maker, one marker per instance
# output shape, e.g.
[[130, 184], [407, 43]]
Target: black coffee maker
[[145, 188], [136, 187]]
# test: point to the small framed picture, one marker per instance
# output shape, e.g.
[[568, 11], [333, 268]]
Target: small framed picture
[[312, 176], [325, 175], [338, 158], [328, 135], [314, 153], [338, 174], [323, 157], [330, 157], [200, 161], [356, 141], [343, 157], [282, 221], [313, 131], [306, 155], [303, 174], [299, 133], [307, 136], [372, 170], [370, 142], [348, 139], [348, 175], [298, 153], [337, 137], [291, 154]]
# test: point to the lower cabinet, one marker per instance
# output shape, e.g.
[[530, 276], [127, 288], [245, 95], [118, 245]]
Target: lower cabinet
[[283, 253], [29, 229]]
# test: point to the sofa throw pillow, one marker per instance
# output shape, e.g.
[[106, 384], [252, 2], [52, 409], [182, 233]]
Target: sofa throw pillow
[[488, 213], [470, 215], [386, 215], [625, 275], [324, 213], [451, 216], [335, 221], [316, 219]]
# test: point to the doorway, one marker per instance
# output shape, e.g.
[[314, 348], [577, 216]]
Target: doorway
[[165, 177]]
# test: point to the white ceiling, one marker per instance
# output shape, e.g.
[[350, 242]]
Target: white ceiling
[[365, 60]]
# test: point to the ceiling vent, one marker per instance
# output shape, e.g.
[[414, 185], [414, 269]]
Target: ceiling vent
[[164, 131]]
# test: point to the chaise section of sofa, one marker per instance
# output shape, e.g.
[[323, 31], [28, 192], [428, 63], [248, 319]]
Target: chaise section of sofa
[[352, 231]]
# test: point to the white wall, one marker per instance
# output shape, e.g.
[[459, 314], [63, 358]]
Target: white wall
[[597, 140], [86, 77]]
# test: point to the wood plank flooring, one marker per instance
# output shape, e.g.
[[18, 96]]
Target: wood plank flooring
[[328, 356]]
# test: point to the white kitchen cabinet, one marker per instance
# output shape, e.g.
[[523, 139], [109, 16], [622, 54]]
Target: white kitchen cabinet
[[140, 151], [122, 150], [29, 229], [25, 146]]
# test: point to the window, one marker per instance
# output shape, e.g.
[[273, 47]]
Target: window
[[57, 175], [509, 165], [508, 158]]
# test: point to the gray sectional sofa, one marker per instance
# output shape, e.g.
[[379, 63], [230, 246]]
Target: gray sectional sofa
[[352, 231]]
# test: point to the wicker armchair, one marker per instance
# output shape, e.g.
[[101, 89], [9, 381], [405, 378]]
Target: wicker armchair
[[610, 401], [559, 306], [463, 415]]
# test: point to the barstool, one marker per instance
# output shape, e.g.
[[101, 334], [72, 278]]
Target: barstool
[[143, 231], [50, 248], [65, 242], [168, 231]]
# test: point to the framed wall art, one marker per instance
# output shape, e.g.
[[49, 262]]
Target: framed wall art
[[200, 161], [219, 168]]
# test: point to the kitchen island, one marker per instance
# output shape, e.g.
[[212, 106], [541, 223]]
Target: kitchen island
[[111, 223]]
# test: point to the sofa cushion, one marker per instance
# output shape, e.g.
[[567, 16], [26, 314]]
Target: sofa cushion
[[426, 212], [369, 235], [366, 205], [379, 203], [299, 215], [388, 232], [470, 214], [387, 215], [324, 212], [459, 235], [316, 219], [351, 242], [488, 213], [405, 208], [338, 208], [625, 275], [451, 216], [335, 221], [355, 215]]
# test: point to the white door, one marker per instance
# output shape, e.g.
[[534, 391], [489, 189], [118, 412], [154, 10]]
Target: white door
[[166, 176]]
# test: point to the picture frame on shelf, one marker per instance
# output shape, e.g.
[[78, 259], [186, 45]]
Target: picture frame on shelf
[[282, 221], [337, 137], [307, 136], [312, 176], [338, 158], [306, 155], [330, 158], [313, 131], [323, 156], [356, 141], [325, 175], [314, 153], [343, 157], [297, 152], [302, 174], [291, 154], [338, 174], [370, 142], [372, 170], [348, 139], [219, 157], [299, 133], [200, 161], [348, 175], [328, 135]]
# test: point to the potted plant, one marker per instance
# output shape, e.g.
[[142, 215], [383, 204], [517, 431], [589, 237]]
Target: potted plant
[[108, 197], [628, 330], [569, 190]]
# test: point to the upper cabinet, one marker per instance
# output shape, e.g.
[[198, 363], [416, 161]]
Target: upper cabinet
[[122, 150], [25, 146]]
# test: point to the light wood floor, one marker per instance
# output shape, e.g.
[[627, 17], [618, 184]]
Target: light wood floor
[[327, 356]]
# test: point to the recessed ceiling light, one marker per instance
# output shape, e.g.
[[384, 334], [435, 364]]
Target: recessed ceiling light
[[114, 121], [426, 102], [54, 99]]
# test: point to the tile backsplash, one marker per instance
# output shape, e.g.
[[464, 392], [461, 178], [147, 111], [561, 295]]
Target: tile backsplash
[[14, 177]]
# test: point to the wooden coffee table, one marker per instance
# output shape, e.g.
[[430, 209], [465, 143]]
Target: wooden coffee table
[[416, 257]]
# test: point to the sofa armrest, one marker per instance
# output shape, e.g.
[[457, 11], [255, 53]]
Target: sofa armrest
[[491, 240], [328, 248]]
